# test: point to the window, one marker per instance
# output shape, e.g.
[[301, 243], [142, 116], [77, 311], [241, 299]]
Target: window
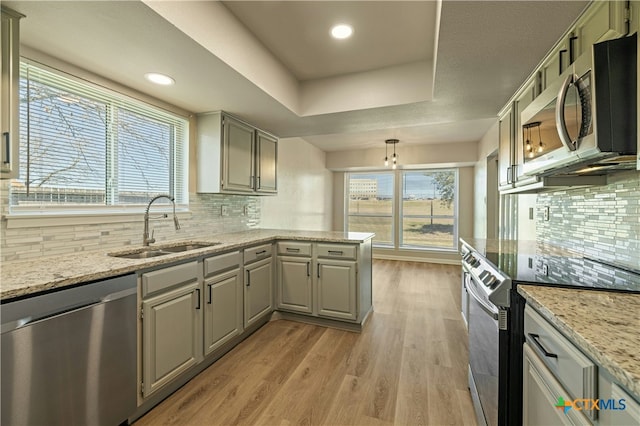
[[371, 205], [426, 202], [83, 146], [428, 209]]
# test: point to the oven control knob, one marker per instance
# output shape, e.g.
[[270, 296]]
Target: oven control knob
[[483, 275], [475, 262], [493, 282]]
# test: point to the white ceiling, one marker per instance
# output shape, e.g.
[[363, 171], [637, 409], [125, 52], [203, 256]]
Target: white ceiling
[[485, 50]]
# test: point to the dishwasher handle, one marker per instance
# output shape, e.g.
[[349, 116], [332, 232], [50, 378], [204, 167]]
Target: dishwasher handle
[[23, 322]]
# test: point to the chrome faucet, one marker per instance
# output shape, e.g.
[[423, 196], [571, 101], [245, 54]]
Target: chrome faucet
[[146, 240]]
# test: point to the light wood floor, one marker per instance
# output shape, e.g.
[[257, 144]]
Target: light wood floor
[[408, 367]]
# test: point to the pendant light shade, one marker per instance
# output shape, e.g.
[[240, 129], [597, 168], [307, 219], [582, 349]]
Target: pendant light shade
[[394, 157]]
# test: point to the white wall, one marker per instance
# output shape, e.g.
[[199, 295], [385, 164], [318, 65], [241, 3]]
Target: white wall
[[487, 145], [305, 190]]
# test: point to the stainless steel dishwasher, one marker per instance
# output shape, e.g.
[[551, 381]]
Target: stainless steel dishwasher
[[69, 356]]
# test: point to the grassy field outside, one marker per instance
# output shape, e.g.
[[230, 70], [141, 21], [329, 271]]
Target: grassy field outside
[[416, 231]]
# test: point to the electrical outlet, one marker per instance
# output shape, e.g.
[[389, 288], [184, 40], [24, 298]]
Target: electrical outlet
[[225, 210], [245, 210], [546, 213], [545, 269]]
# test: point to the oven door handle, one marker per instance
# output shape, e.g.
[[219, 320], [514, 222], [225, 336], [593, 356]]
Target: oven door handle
[[485, 307]]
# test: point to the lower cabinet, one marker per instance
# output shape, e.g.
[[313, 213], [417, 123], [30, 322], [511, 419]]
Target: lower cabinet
[[171, 325], [321, 280], [222, 309], [294, 284], [337, 289], [258, 295]]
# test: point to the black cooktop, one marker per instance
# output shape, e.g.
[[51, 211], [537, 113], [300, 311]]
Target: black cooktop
[[538, 263]]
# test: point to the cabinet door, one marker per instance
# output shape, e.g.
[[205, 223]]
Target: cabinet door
[[505, 148], [266, 180], [170, 333], [336, 286], [294, 284], [258, 296], [541, 393], [238, 156], [9, 144], [222, 309], [603, 21]]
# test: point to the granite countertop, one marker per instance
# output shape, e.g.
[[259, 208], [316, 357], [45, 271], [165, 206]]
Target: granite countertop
[[26, 277], [604, 325]]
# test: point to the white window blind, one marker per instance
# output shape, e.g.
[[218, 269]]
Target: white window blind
[[84, 146]]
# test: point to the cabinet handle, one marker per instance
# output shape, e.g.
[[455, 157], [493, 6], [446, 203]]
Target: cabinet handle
[[248, 278], [509, 172], [293, 250], [572, 50], [209, 300], [318, 270], [198, 298], [7, 148], [258, 253], [560, 67], [258, 182], [336, 252], [308, 269], [534, 339]]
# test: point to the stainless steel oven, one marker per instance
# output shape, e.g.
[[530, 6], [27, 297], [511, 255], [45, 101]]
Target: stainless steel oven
[[483, 354], [488, 336]]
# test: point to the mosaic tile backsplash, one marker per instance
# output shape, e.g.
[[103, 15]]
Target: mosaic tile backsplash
[[204, 217], [602, 223]]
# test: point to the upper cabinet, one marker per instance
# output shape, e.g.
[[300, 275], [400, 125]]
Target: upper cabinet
[[235, 157], [9, 42]]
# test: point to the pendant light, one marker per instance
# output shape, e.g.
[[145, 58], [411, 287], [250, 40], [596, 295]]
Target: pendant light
[[540, 144], [394, 157]]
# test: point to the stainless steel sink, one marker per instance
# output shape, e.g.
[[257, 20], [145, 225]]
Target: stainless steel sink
[[187, 247], [148, 252], [140, 254]]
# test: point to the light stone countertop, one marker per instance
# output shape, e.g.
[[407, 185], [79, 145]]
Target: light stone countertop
[[24, 277], [605, 325]]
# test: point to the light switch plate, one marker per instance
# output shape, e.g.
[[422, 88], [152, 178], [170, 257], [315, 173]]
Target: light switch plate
[[225, 210]]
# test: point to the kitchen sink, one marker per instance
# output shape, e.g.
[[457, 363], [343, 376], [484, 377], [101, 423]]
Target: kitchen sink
[[141, 254], [187, 247], [148, 252]]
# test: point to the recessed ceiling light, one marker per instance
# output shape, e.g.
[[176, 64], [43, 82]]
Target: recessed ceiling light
[[342, 31], [157, 78]]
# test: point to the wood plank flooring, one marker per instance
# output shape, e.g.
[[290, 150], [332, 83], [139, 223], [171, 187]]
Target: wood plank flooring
[[408, 366]]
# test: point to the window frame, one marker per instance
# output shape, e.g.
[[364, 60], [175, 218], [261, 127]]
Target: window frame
[[397, 210], [20, 216]]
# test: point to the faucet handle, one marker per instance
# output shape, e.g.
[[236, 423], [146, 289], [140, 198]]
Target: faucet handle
[[151, 239]]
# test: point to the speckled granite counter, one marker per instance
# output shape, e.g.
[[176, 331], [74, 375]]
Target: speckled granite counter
[[604, 325], [32, 276]]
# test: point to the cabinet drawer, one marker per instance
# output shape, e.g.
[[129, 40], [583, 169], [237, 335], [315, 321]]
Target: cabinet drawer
[[256, 253], [337, 251], [163, 279], [221, 263], [294, 249], [575, 371]]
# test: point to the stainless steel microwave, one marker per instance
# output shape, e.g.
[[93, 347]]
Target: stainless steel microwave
[[586, 120]]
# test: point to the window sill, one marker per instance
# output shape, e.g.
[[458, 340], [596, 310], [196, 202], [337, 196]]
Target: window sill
[[46, 219]]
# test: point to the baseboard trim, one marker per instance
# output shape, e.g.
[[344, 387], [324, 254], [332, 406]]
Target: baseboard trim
[[416, 259]]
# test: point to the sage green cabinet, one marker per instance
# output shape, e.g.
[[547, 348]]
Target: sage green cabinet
[[294, 284], [171, 325], [9, 96], [238, 156], [223, 309], [266, 165], [235, 157], [258, 294], [336, 287]]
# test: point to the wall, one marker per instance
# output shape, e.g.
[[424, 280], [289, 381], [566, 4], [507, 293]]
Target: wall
[[304, 200], [487, 145], [462, 155], [601, 222]]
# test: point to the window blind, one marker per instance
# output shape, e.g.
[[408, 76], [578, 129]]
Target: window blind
[[84, 145]]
